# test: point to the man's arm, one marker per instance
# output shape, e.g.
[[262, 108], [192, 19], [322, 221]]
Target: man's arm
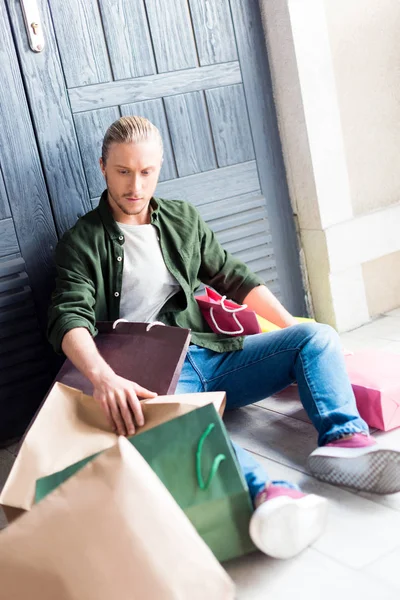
[[72, 323], [264, 303], [231, 277], [117, 396], [221, 270]]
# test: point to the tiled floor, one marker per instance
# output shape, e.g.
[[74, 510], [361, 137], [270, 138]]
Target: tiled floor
[[359, 553]]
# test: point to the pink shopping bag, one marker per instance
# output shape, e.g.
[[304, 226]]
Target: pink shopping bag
[[376, 385], [225, 316]]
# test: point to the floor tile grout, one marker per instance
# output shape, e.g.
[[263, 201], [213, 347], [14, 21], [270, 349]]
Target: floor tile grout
[[384, 555], [281, 414], [284, 414]]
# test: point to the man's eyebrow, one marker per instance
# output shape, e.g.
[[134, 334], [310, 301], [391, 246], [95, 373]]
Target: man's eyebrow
[[128, 169]]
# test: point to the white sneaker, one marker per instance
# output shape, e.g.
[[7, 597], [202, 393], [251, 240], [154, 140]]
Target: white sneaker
[[286, 521], [358, 462]]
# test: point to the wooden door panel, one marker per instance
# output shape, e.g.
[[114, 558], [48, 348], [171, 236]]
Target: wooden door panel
[[213, 30], [172, 35], [230, 125], [128, 38], [80, 38], [190, 133]]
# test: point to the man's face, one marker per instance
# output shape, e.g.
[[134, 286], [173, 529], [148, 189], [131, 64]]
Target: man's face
[[131, 172]]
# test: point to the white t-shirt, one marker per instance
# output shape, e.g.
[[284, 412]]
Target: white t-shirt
[[146, 282]]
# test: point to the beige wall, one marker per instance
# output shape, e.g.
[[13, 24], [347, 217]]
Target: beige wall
[[364, 37], [335, 68], [382, 283]]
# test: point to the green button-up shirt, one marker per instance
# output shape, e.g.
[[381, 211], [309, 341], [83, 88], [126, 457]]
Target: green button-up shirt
[[90, 261]]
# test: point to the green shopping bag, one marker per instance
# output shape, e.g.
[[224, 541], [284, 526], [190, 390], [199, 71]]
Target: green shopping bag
[[194, 458]]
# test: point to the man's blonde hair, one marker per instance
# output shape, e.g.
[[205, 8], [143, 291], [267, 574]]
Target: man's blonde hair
[[127, 130]]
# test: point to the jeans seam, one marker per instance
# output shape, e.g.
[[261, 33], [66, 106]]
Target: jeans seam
[[312, 392], [252, 363], [197, 370]]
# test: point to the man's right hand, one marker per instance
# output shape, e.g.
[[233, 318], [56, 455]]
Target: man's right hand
[[117, 396], [119, 399]]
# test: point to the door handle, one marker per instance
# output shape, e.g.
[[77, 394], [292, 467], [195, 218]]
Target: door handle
[[33, 25]]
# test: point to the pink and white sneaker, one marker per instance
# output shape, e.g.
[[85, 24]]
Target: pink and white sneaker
[[357, 462], [286, 521]]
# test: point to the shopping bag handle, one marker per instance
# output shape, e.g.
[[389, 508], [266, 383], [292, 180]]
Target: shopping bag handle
[[216, 462], [218, 328], [119, 321], [149, 326], [232, 310]]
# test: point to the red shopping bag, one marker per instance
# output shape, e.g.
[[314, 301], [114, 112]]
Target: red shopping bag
[[376, 385], [225, 316]]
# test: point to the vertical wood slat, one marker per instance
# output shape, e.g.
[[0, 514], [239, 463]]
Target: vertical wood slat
[[8, 238], [230, 125], [23, 178], [260, 101], [154, 111], [90, 128], [128, 38], [4, 205], [51, 113], [190, 133], [172, 35], [81, 41], [213, 29]]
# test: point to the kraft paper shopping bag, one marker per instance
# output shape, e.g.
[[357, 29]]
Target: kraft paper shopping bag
[[72, 426], [112, 531]]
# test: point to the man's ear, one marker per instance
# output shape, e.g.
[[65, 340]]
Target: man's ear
[[102, 166]]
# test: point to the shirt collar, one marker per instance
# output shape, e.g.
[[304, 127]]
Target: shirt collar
[[109, 222]]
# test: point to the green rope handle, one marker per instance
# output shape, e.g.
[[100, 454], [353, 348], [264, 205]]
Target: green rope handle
[[217, 460]]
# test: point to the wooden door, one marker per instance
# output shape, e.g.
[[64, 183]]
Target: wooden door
[[198, 69], [27, 241]]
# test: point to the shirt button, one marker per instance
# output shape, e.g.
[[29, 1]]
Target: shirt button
[[119, 258], [121, 238], [116, 294]]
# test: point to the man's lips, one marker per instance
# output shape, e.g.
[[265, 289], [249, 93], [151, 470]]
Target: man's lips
[[132, 199]]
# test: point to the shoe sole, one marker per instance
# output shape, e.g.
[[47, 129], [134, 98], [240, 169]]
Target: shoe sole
[[283, 527], [371, 469]]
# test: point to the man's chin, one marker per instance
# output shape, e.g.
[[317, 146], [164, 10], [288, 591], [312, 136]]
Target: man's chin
[[133, 208]]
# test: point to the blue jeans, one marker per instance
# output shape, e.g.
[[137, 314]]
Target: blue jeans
[[309, 354]]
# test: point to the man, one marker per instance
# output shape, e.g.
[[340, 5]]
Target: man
[[142, 259]]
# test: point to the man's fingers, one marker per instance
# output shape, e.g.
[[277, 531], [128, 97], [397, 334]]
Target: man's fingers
[[106, 409], [143, 392], [123, 402], [135, 407], [116, 415]]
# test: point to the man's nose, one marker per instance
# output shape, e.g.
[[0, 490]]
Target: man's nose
[[136, 184]]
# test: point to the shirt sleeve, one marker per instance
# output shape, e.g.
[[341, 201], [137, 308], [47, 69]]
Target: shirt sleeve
[[73, 300], [219, 269]]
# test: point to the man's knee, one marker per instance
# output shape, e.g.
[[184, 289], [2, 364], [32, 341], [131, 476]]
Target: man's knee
[[319, 333]]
